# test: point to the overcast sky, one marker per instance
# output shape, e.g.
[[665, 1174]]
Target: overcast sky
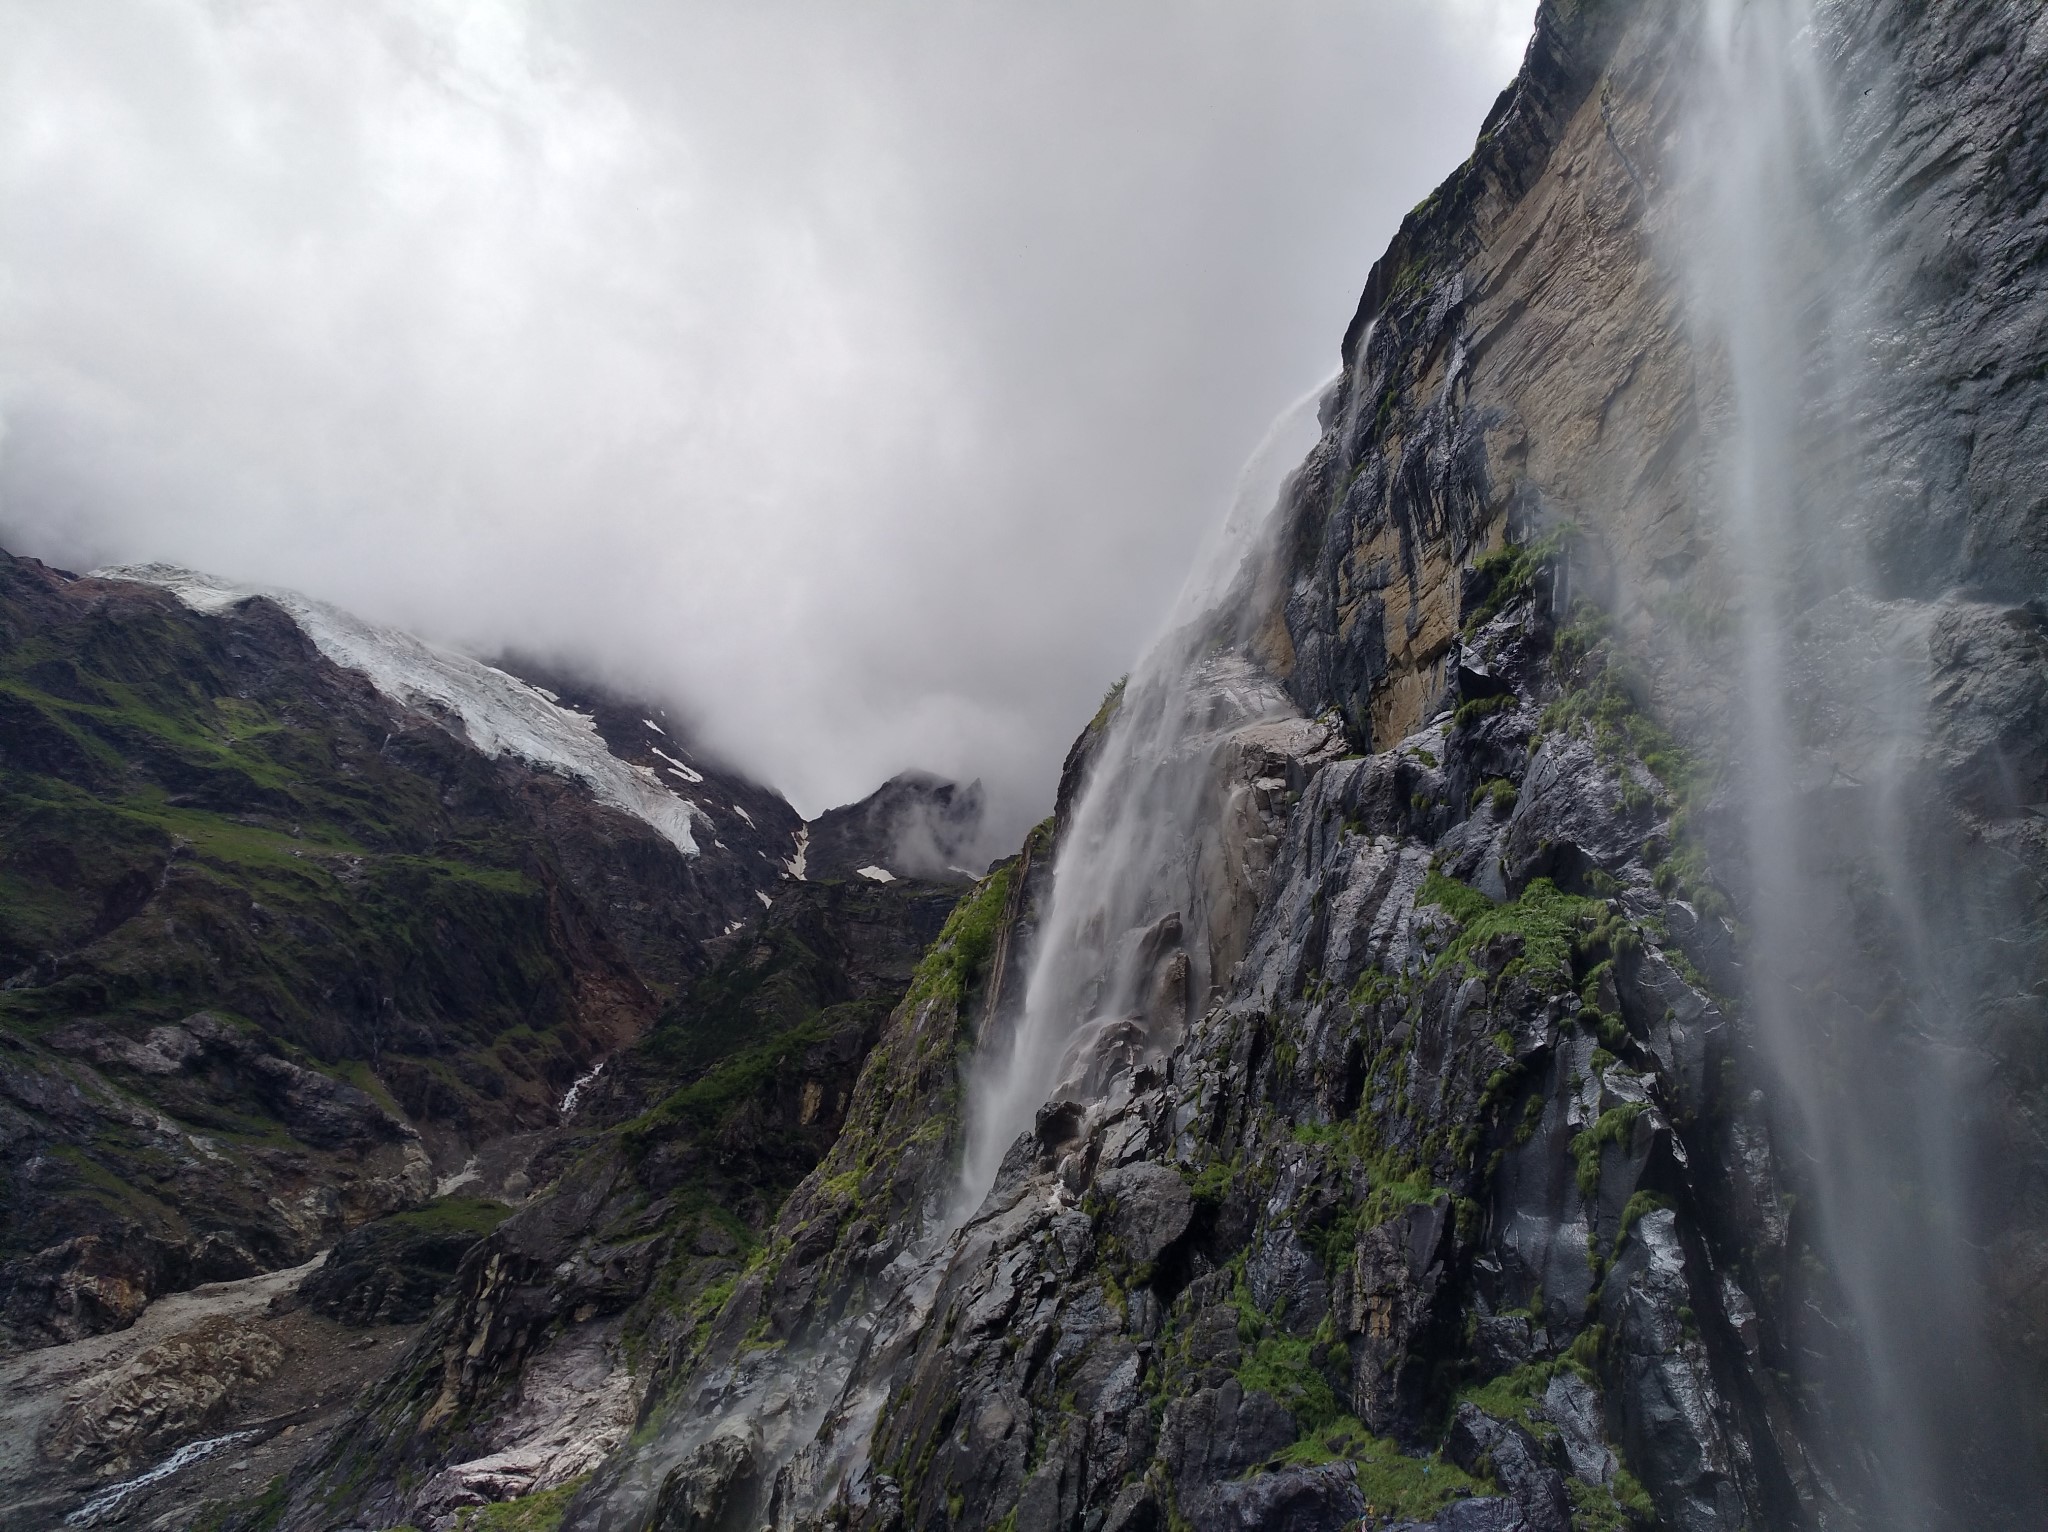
[[858, 374]]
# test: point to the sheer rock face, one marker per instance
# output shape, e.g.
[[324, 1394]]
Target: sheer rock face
[[1532, 354]]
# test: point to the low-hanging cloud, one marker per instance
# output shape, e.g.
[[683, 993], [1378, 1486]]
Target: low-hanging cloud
[[859, 378]]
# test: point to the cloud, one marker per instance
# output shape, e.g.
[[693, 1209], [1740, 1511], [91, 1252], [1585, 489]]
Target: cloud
[[861, 378]]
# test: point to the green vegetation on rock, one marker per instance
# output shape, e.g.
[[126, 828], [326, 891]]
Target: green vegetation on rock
[[1550, 924], [452, 1215], [1614, 1127], [1510, 573], [1396, 1486], [529, 1513], [957, 960]]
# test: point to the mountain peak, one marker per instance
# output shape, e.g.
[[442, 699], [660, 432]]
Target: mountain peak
[[915, 825]]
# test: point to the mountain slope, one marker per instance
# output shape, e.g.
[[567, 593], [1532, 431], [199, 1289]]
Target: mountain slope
[[281, 948]]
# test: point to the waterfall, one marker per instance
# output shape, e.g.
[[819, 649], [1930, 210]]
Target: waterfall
[[1861, 932], [1131, 894]]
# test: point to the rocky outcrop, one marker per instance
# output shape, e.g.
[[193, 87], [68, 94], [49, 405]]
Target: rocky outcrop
[[164, 1397], [394, 1270], [207, 1396], [1539, 356], [1425, 1169]]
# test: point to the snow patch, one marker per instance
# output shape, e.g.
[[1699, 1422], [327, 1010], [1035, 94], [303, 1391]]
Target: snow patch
[[498, 713], [657, 728], [749, 818], [766, 902], [798, 863], [879, 874], [461, 1178], [687, 773]]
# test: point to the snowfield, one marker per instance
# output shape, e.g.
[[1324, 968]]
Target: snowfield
[[500, 714]]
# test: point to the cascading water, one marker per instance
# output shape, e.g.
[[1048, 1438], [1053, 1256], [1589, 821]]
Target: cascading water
[[1129, 943], [1864, 931]]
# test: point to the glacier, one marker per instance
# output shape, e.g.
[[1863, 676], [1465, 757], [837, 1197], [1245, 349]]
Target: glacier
[[501, 715]]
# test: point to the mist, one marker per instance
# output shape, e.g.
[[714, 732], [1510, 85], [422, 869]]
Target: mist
[[857, 380]]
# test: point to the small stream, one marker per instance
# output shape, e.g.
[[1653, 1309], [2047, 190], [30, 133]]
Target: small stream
[[114, 1496]]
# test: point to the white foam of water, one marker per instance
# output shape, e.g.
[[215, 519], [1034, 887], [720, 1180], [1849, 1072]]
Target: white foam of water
[[575, 1091], [500, 714], [110, 1499]]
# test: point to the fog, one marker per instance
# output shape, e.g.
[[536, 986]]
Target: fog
[[857, 379]]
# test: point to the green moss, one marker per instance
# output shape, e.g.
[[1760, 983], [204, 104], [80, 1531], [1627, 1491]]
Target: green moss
[[1603, 701], [737, 1081], [1510, 574], [1396, 1486], [1393, 1183], [1619, 1506], [1477, 708], [1638, 1205], [1515, 1396], [1461, 901], [1283, 1366], [956, 960], [1549, 922], [1212, 1183], [1615, 1126], [1111, 701], [1279, 1364]]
